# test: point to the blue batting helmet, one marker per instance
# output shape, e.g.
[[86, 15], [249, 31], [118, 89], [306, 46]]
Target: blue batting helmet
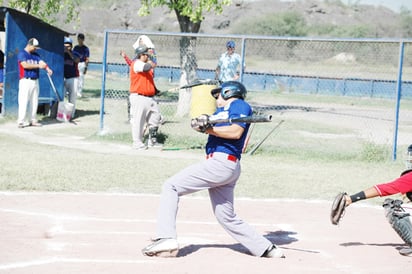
[[230, 89]]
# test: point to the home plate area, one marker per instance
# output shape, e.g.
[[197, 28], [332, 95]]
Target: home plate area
[[106, 232]]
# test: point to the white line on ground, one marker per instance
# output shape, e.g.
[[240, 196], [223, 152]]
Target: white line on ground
[[68, 260], [113, 194], [61, 217]]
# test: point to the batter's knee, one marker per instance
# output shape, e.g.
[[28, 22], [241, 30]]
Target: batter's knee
[[224, 215]]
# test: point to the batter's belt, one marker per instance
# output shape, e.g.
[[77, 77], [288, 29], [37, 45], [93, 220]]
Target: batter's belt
[[229, 157]]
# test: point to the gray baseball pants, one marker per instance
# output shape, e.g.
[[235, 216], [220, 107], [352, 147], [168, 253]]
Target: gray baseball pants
[[142, 110], [219, 176]]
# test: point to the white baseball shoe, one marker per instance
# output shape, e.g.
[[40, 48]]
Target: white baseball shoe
[[407, 251], [273, 252], [164, 247]]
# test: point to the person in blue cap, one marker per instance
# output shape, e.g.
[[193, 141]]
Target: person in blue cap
[[229, 64]]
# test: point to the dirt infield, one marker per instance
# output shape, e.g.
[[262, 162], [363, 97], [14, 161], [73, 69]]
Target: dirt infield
[[104, 233]]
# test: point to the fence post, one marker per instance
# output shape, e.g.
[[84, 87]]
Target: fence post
[[398, 98], [242, 65], [102, 94]]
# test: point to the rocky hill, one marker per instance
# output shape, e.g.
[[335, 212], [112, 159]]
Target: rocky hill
[[122, 14]]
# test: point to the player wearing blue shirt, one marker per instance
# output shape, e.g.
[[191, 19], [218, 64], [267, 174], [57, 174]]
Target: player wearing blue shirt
[[30, 64], [84, 55], [218, 174], [71, 72]]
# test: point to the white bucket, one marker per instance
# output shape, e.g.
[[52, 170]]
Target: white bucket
[[64, 112]]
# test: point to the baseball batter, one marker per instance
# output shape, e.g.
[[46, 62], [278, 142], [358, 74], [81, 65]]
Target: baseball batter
[[30, 64], [218, 174]]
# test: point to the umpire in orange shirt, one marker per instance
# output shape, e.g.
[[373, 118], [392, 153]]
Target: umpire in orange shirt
[[143, 107]]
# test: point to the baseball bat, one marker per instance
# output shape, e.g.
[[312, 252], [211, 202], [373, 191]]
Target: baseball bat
[[194, 84], [247, 119], [53, 87]]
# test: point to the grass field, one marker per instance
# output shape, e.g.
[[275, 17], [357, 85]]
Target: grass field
[[304, 159]]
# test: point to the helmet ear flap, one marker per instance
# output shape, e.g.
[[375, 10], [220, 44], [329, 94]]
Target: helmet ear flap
[[226, 93], [233, 89]]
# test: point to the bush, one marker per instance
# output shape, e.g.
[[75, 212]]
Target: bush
[[374, 153]]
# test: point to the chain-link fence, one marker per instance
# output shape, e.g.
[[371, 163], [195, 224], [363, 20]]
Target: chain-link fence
[[340, 95]]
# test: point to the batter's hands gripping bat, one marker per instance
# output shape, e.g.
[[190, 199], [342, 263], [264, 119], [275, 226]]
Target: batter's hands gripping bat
[[247, 119], [203, 122]]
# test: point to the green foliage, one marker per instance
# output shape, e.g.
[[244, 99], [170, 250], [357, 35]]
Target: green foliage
[[374, 153], [406, 22], [356, 31], [283, 24], [186, 8], [48, 10]]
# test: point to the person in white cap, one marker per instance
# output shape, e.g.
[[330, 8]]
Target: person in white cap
[[30, 64]]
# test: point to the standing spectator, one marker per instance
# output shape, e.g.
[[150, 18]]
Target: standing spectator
[[218, 174], [71, 72], [143, 108], [229, 64], [84, 54], [30, 64]]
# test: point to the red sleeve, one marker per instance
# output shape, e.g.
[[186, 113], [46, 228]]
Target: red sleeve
[[402, 185], [127, 59], [21, 70]]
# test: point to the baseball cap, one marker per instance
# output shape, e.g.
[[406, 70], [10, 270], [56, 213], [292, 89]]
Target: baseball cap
[[230, 44], [68, 40], [33, 42]]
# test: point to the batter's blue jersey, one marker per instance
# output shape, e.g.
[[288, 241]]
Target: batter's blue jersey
[[236, 109]]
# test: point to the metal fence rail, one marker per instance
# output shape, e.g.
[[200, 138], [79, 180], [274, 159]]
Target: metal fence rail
[[367, 83]]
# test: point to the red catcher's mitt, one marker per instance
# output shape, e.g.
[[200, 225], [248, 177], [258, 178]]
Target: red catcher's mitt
[[338, 208]]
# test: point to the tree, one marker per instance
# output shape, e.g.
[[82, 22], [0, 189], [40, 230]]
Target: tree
[[48, 10], [406, 22], [189, 14]]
